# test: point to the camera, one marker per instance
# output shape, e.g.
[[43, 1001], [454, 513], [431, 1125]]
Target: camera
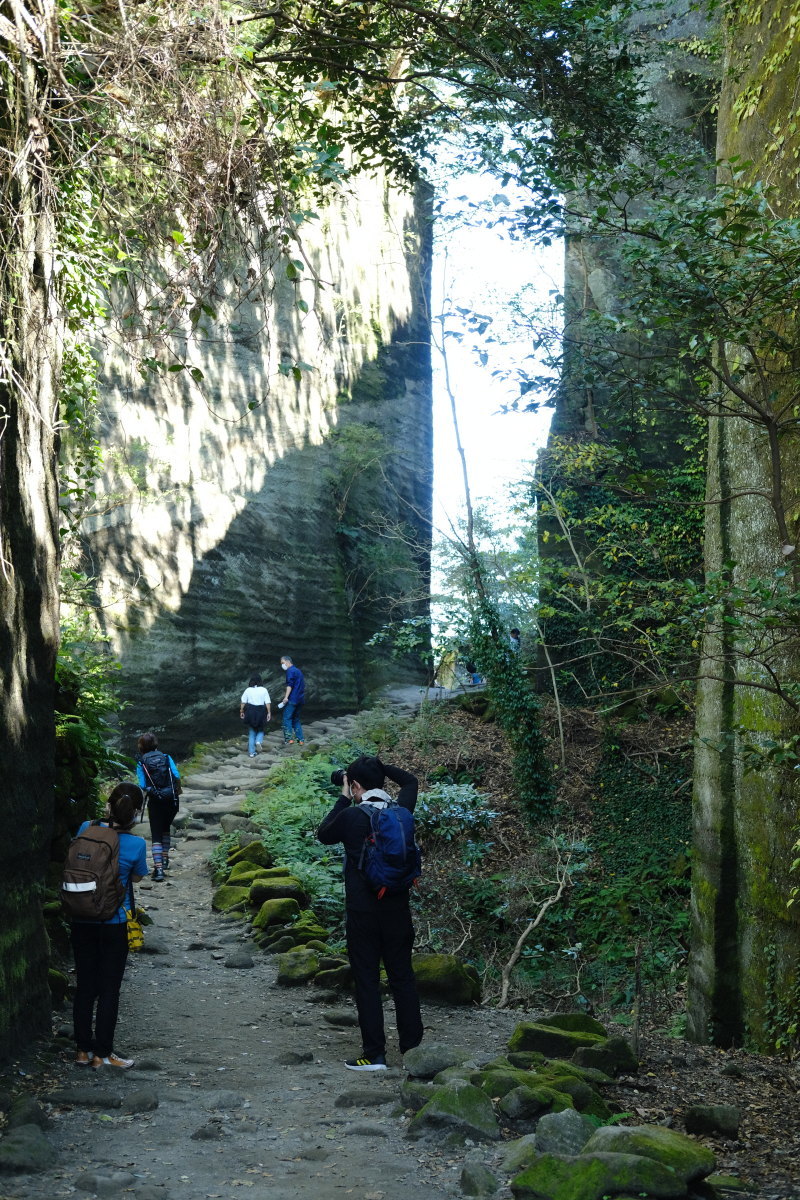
[[337, 777]]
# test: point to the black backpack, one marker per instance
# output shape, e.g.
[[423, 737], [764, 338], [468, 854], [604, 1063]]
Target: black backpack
[[160, 780], [91, 889]]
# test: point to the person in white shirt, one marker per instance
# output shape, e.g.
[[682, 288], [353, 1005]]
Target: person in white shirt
[[256, 709]]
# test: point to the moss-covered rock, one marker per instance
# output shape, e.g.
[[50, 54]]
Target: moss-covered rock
[[686, 1158], [444, 978], [523, 1103], [245, 872], [280, 944], [334, 977], [460, 1111], [415, 1093], [584, 1096], [284, 887], [297, 966], [307, 925], [451, 1073], [26, 1150], [59, 985], [524, 1059], [613, 1056], [498, 1082], [716, 1120], [278, 911], [533, 1035], [227, 896], [560, 1066], [316, 944], [255, 852], [594, 1176], [575, 1022], [427, 1060], [520, 1154]]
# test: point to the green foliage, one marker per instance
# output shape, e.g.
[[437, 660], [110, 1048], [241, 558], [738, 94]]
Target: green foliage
[[781, 1008], [515, 703], [86, 696], [627, 912], [452, 810], [296, 796]]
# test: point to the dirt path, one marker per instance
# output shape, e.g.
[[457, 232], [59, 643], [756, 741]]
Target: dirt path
[[238, 1084]]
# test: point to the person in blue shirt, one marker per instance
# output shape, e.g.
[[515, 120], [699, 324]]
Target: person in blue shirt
[[153, 770], [100, 948], [293, 701]]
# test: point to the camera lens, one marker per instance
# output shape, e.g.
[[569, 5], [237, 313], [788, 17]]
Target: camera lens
[[337, 777]]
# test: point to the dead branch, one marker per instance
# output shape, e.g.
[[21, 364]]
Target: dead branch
[[562, 879]]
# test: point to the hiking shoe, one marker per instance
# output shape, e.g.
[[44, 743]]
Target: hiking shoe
[[113, 1060], [165, 863], [300, 742], [158, 875], [366, 1064], [83, 1058], [289, 742]]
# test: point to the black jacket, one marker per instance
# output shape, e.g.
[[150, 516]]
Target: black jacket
[[349, 824]]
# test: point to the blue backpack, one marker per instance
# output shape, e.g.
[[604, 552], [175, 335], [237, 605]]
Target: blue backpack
[[390, 858]]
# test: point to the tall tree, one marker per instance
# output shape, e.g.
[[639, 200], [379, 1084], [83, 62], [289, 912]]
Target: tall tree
[[745, 962], [30, 324]]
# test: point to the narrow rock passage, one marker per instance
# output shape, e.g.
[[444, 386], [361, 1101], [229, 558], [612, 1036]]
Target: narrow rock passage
[[238, 1084]]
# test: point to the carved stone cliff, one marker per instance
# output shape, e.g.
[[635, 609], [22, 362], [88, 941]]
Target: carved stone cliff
[[253, 511]]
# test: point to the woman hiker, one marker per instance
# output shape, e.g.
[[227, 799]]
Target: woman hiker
[[255, 708]]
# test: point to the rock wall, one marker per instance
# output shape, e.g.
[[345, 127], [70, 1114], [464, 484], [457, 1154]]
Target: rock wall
[[250, 513]]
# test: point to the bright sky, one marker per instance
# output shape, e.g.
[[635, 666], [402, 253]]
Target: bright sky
[[481, 269]]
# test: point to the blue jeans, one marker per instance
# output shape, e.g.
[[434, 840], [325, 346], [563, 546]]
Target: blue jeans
[[254, 738], [291, 722]]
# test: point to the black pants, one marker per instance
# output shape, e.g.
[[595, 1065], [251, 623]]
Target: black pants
[[161, 813], [386, 934], [101, 952]]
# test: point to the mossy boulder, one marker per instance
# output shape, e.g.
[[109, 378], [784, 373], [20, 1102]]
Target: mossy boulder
[[308, 926], [227, 896], [559, 1066], [716, 1120], [686, 1158], [25, 1150], [584, 1097], [459, 1111], [285, 887], [524, 1059], [255, 853], [443, 978], [279, 911], [427, 1060], [334, 977], [544, 1039], [316, 944], [297, 966], [498, 1082], [594, 1176], [245, 872], [576, 1022], [614, 1055], [523, 1103], [415, 1093], [280, 944]]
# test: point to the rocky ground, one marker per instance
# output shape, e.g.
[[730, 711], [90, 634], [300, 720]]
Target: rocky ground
[[239, 1085]]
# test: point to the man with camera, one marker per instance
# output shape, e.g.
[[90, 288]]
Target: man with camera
[[378, 925]]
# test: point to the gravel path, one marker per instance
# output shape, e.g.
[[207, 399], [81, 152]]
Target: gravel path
[[238, 1084]]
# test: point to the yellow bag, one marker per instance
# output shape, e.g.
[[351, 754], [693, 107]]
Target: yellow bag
[[135, 933]]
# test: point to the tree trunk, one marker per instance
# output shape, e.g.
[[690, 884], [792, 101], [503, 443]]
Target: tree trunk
[[745, 959], [29, 360]]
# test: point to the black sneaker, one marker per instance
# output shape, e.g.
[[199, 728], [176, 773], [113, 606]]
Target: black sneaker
[[366, 1064], [166, 862], [158, 875]]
